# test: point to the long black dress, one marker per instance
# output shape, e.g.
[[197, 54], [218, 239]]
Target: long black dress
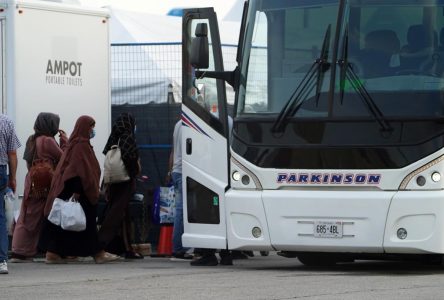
[[71, 243]]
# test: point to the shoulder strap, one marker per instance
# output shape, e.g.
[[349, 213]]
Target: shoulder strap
[[35, 150]]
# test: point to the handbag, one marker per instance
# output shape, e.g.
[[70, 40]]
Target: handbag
[[164, 205], [114, 170], [67, 214]]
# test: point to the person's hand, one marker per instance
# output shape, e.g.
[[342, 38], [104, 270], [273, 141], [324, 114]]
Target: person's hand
[[62, 134], [12, 184]]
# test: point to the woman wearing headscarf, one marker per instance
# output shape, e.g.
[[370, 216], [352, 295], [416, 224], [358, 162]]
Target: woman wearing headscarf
[[117, 216], [77, 175], [40, 146]]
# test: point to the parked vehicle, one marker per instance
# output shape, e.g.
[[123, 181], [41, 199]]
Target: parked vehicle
[[337, 146]]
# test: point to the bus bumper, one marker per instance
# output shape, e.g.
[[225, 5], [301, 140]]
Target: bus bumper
[[296, 215], [370, 221], [421, 215]]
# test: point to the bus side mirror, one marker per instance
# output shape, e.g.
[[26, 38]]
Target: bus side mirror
[[199, 47]]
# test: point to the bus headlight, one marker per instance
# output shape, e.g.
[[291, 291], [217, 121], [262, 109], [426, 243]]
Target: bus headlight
[[436, 176], [243, 177], [425, 177]]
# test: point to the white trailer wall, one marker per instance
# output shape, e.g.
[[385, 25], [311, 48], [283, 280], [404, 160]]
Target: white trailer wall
[[39, 34]]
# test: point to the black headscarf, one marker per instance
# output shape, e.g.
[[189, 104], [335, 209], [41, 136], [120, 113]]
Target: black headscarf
[[46, 124], [122, 134]]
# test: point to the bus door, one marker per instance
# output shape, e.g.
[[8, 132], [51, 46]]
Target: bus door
[[204, 132]]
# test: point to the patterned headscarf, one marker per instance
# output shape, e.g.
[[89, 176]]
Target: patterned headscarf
[[122, 134], [46, 124]]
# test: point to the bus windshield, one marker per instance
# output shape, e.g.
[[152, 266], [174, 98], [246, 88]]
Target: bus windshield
[[389, 53], [340, 84]]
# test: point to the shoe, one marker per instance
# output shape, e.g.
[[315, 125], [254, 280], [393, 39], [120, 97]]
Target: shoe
[[54, 259], [182, 255], [16, 260], [106, 258], [226, 260], [239, 255], [133, 255], [248, 253], [4, 268], [72, 259], [206, 261]]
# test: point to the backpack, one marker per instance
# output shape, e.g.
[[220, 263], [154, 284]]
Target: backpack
[[114, 170], [40, 174]]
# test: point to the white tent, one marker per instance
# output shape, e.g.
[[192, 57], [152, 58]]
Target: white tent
[[137, 27], [153, 31]]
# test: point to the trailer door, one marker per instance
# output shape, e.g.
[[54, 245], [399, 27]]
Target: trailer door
[[204, 138]]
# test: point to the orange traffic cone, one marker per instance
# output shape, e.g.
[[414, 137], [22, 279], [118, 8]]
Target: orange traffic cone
[[165, 246]]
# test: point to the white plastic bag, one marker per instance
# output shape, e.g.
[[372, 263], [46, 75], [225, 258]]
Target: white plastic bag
[[55, 215], [12, 207], [73, 216], [68, 214]]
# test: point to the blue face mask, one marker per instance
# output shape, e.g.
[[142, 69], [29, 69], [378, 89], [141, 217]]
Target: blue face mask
[[92, 134]]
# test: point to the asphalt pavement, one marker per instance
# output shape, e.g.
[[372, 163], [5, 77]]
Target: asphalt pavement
[[271, 277]]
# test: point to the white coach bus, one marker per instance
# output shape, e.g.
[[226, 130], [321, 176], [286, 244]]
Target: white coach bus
[[337, 146]]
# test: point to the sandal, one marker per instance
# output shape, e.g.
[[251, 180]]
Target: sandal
[[133, 255], [53, 258], [105, 258], [72, 259]]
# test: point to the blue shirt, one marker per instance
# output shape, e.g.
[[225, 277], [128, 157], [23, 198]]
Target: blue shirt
[[8, 138]]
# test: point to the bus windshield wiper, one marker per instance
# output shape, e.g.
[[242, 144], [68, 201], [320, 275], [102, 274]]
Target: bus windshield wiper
[[347, 72], [300, 94]]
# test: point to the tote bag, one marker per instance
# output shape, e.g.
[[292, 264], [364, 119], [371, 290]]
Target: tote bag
[[114, 170]]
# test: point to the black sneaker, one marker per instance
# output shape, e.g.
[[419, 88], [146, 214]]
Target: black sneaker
[[226, 260], [182, 255], [209, 260], [249, 253], [239, 255]]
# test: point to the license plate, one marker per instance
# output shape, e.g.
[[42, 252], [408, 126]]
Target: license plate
[[325, 229]]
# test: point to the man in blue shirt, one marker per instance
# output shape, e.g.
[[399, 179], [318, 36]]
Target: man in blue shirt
[[9, 143]]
